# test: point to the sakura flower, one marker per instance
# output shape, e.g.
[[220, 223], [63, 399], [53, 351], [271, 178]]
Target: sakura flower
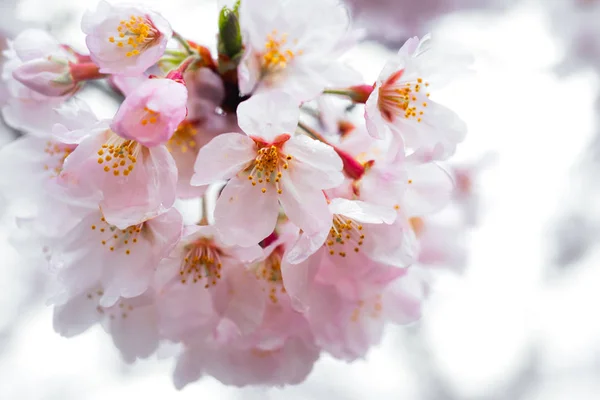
[[22, 102], [203, 282], [36, 162], [129, 181], [151, 114], [267, 167], [358, 227], [294, 46], [132, 323], [347, 327], [289, 362], [400, 106], [45, 64], [125, 40], [123, 261], [280, 350]]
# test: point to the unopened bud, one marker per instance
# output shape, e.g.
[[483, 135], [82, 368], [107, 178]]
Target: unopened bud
[[50, 76], [360, 93], [230, 38]]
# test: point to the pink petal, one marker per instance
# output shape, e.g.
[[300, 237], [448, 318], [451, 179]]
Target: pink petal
[[222, 158], [244, 215]]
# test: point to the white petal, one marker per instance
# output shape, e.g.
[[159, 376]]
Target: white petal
[[363, 212], [244, 215], [268, 115], [222, 158]]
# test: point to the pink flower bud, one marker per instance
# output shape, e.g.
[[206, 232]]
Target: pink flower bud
[[151, 114], [49, 76]]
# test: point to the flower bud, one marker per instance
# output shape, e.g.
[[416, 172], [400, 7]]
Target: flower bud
[[230, 38], [151, 114], [50, 76]]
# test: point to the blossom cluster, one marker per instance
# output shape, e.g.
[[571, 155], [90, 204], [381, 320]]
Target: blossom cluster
[[311, 219]]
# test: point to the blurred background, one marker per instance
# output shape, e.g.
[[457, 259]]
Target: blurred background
[[517, 321]]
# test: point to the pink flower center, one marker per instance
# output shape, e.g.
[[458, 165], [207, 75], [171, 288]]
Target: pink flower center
[[134, 35], [116, 239], [202, 259], [149, 117], [184, 138], [277, 55], [403, 99], [270, 272], [119, 155], [266, 169], [344, 233], [58, 152]]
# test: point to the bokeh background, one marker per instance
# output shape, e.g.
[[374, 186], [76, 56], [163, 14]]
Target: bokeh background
[[519, 320]]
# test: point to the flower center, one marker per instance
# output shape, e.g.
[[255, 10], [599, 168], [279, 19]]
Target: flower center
[[403, 99], [267, 166], [184, 138], [116, 239], [138, 33], [149, 117], [277, 54], [119, 155], [202, 259], [344, 233], [270, 272], [59, 153]]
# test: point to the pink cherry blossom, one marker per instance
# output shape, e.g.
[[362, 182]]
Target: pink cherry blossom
[[294, 47], [267, 167], [399, 105], [280, 350], [358, 227], [288, 362], [151, 114], [78, 313], [22, 102], [203, 282], [125, 40], [347, 327], [130, 182], [122, 261]]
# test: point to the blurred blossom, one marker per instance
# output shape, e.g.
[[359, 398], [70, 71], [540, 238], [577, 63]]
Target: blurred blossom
[[393, 21]]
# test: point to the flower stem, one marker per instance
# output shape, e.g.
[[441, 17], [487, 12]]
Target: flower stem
[[352, 168], [183, 42], [358, 94]]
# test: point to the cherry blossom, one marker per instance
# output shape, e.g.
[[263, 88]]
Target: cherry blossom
[[129, 181], [125, 39], [268, 166], [122, 261], [22, 102], [203, 282], [151, 114], [294, 46], [400, 103], [132, 323], [232, 208]]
